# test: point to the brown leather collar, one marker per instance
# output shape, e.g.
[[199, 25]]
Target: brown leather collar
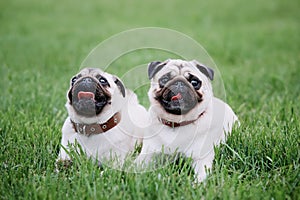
[[175, 124], [93, 129]]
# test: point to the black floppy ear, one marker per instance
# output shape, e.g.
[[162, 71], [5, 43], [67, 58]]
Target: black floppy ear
[[154, 67], [205, 70], [120, 86], [70, 96]]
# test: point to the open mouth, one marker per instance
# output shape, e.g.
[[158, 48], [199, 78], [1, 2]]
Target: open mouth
[[176, 100], [88, 99]]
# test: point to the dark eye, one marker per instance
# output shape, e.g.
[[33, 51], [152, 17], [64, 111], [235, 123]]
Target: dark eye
[[163, 81], [73, 80], [196, 83], [103, 81]]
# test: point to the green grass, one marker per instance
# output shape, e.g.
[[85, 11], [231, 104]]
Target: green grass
[[255, 45]]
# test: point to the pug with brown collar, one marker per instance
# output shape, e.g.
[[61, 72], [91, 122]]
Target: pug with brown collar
[[105, 118], [186, 117]]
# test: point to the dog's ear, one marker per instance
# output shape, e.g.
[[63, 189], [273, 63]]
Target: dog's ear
[[154, 67], [70, 96], [205, 70], [120, 85]]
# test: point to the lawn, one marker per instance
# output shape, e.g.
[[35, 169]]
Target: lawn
[[255, 44]]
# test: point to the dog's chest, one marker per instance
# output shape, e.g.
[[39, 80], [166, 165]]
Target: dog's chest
[[113, 139], [181, 137]]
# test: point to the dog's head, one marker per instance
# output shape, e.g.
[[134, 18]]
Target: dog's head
[[93, 92], [179, 88]]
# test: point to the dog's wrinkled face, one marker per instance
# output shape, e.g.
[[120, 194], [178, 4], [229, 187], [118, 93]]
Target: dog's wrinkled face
[[90, 91], [178, 94], [179, 86]]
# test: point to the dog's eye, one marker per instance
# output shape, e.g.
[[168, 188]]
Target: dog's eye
[[103, 81], [196, 83], [163, 81], [73, 80]]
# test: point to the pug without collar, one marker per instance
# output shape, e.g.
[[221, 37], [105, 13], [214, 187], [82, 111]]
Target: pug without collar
[[186, 118], [105, 118]]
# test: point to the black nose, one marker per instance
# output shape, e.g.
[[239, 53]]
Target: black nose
[[87, 80], [179, 85]]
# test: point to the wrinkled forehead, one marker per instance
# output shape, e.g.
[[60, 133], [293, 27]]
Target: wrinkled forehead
[[176, 67], [90, 72]]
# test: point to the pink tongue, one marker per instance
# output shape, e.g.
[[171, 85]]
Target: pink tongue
[[176, 97], [85, 95]]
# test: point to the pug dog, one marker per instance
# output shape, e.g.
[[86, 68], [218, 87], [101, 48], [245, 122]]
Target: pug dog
[[186, 118], [104, 117]]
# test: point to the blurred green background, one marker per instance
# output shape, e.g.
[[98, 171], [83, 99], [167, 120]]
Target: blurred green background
[[255, 44]]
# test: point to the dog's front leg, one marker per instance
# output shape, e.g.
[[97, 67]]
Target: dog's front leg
[[202, 166], [68, 137]]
